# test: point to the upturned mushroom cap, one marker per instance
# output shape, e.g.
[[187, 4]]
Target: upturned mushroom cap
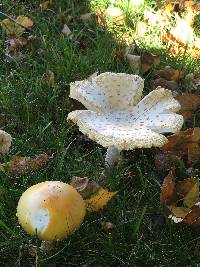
[[115, 117], [52, 210], [108, 92]]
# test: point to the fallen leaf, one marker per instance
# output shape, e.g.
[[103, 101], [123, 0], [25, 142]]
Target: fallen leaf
[[86, 17], [66, 30], [179, 141], [15, 43], [45, 5], [169, 74], [49, 78], [192, 196], [171, 85], [148, 59], [24, 21], [189, 104], [13, 27], [193, 218], [180, 212], [193, 152], [99, 200], [85, 186], [182, 33], [107, 226], [21, 165], [168, 193], [115, 14], [141, 28], [184, 187], [186, 208], [184, 143]]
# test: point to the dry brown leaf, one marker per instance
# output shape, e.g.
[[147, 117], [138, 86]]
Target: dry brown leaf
[[178, 141], [169, 74], [193, 218], [99, 200], [171, 85], [193, 152], [168, 193], [189, 104], [184, 143], [149, 59], [21, 165], [85, 186], [15, 43], [183, 187], [192, 197]]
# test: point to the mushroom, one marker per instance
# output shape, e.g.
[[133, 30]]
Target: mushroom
[[52, 210], [118, 119]]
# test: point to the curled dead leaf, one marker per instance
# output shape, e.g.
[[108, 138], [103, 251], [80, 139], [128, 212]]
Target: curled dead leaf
[[189, 104], [168, 193], [148, 59], [193, 218], [85, 186], [169, 74], [21, 165], [171, 85]]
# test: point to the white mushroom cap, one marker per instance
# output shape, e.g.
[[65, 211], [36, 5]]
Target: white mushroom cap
[[108, 92], [121, 121]]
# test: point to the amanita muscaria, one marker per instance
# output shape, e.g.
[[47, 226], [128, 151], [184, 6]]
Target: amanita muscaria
[[52, 210], [116, 116]]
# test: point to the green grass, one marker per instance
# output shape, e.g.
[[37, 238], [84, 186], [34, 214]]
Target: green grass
[[36, 118]]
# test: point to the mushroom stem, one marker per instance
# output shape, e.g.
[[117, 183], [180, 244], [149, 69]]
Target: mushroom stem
[[112, 156]]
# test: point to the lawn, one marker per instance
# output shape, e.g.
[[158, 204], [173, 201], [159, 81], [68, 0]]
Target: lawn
[[35, 115]]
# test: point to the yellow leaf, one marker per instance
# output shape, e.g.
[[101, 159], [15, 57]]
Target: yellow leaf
[[10, 27], [99, 199], [13, 28], [24, 21]]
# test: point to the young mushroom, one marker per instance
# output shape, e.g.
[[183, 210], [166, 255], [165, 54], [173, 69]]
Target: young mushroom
[[51, 210], [118, 119]]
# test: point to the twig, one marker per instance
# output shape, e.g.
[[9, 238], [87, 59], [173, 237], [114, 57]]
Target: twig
[[4, 14]]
